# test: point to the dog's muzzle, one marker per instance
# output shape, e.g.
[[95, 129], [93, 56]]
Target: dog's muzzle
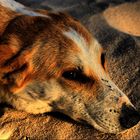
[[113, 112]]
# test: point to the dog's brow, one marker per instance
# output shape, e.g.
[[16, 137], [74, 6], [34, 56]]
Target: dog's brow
[[89, 52], [77, 38]]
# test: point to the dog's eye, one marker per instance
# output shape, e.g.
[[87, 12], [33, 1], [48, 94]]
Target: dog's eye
[[76, 75], [103, 60]]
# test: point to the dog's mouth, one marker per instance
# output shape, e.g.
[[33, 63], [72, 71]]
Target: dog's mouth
[[100, 124], [98, 121], [107, 123], [95, 118], [106, 127]]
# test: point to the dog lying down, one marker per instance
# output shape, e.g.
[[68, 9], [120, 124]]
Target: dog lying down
[[50, 62]]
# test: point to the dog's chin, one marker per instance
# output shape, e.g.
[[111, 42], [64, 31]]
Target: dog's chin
[[86, 118], [104, 128], [100, 126]]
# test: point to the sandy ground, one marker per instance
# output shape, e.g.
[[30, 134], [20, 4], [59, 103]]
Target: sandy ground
[[122, 54]]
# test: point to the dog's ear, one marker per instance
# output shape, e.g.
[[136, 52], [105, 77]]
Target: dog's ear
[[16, 49], [15, 64]]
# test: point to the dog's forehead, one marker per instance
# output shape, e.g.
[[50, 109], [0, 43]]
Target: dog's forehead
[[84, 45], [88, 55], [88, 52]]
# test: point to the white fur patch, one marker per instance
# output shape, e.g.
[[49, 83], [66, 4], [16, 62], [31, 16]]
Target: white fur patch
[[89, 55], [77, 38], [15, 6], [81, 43]]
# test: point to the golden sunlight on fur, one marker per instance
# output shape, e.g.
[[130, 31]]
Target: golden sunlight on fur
[[5, 134]]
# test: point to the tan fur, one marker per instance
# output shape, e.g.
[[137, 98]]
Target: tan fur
[[52, 63], [125, 18]]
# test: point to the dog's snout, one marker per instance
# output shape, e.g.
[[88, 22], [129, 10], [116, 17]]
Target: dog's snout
[[128, 117]]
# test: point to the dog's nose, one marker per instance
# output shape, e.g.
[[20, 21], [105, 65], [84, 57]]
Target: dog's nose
[[128, 117]]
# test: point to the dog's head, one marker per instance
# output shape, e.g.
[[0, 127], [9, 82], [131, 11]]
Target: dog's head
[[56, 65]]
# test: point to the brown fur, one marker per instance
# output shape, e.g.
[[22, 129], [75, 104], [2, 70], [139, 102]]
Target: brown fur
[[34, 29], [42, 54]]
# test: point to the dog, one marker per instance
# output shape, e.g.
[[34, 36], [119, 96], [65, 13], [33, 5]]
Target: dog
[[50, 62]]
